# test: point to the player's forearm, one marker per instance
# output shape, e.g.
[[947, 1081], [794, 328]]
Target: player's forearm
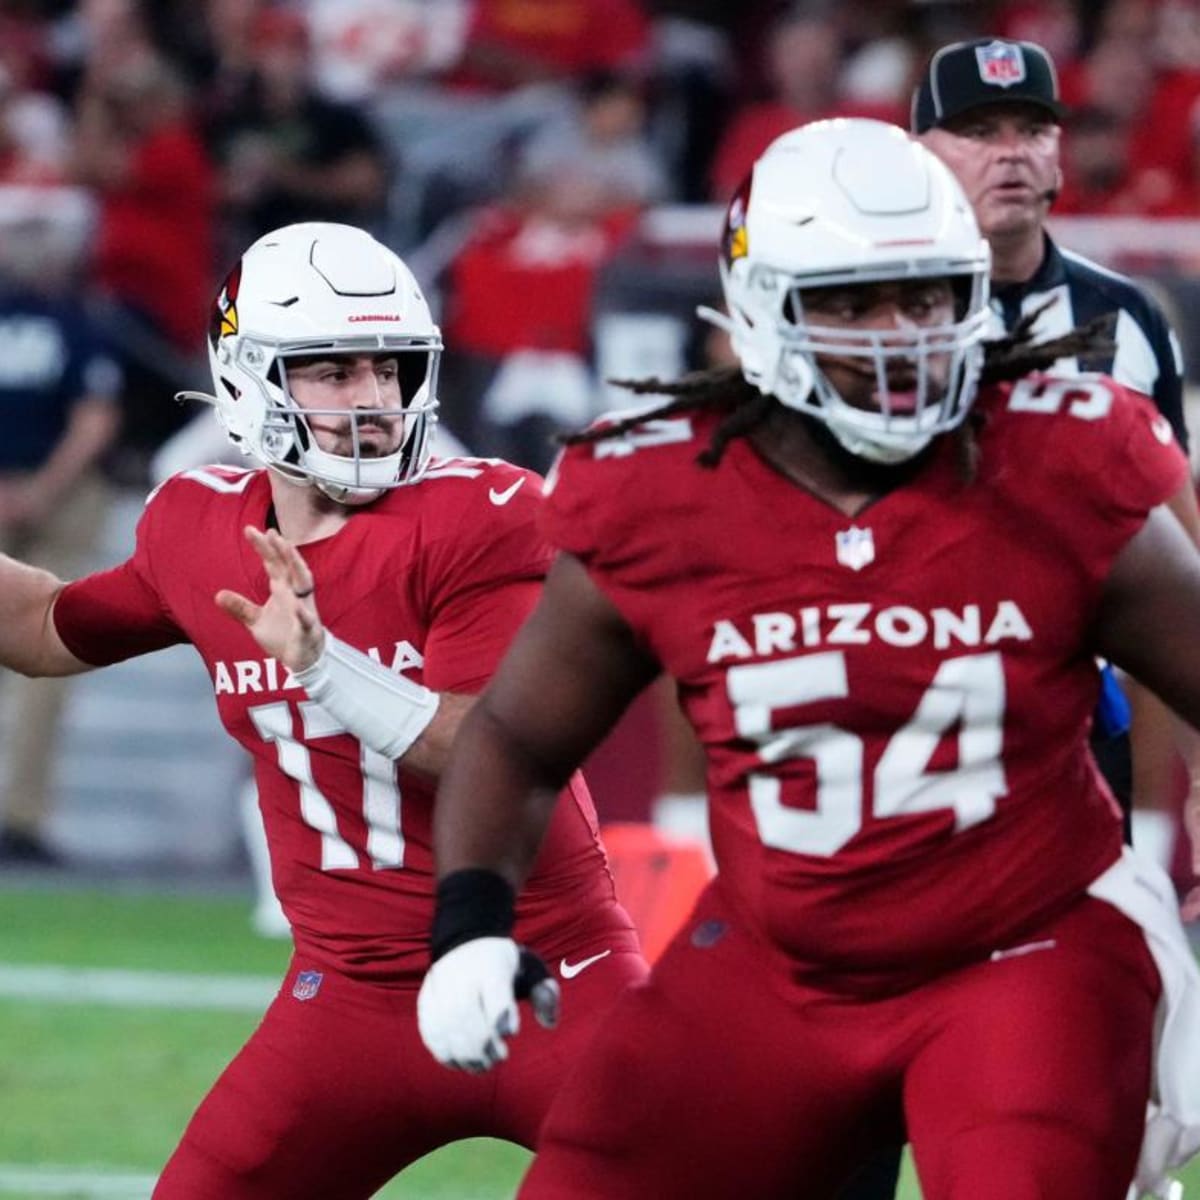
[[1187, 744], [430, 753], [494, 802], [1155, 733], [29, 642], [1154, 583]]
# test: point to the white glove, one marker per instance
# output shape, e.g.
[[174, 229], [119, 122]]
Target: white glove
[[1166, 1144], [468, 1001], [1169, 1189]]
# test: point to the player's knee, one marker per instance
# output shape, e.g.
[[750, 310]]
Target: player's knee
[[217, 1158], [1029, 1158]]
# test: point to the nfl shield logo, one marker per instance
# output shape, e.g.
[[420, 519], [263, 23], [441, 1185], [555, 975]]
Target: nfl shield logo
[[855, 547], [1001, 64], [307, 985]]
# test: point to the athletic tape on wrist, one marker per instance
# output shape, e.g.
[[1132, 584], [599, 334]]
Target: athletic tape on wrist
[[471, 903], [382, 709]]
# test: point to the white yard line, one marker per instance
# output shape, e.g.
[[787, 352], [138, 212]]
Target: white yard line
[[136, 989], [79, 1183], [130, 989]]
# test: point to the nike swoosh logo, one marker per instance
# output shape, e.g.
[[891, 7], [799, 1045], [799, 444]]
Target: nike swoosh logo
[[499, 499], [570, 970]]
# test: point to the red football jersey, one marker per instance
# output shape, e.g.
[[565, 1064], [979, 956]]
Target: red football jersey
[[432, 581], [895, 706]]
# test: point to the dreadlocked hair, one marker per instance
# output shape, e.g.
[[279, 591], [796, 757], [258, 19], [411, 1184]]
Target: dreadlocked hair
[[721, 388], [725, 388], [1016, 355]]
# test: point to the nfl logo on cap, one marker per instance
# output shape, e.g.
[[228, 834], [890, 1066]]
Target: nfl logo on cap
[[967, 75], [1000, 64]]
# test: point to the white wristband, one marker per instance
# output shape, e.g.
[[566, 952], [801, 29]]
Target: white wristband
[[382, 709]]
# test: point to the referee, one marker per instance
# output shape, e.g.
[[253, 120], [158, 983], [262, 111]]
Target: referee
[[990, 109]]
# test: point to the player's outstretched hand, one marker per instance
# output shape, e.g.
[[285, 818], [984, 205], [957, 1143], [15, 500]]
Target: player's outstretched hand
[[467, 1006], [288, 626]]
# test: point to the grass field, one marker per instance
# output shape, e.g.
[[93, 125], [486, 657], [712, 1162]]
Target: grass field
[[93, 1096]]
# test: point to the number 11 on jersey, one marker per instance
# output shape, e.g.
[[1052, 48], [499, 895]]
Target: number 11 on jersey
[[380, 793]]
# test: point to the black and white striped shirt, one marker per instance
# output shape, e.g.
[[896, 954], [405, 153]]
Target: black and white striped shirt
[[1148, 357]]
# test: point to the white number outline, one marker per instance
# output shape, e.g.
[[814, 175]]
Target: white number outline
[[1090, 396], [381, 799], [967, 692]]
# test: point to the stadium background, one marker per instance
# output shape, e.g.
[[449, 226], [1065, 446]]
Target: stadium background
[[554, 171]]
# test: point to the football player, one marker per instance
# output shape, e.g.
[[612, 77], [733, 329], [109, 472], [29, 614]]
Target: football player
[[325, 361], [879, 558]]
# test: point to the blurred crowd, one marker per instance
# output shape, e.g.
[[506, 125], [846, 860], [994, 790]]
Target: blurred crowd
[[505, 146]]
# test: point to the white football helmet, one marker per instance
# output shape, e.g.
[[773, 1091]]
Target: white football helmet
[[304, 290], [842, 202]]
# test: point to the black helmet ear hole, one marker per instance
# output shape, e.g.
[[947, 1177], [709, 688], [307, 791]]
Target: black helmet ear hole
[[963, 288], [304, 439], [412, 367]]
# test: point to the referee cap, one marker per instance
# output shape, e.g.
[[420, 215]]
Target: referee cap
[[967, 75]]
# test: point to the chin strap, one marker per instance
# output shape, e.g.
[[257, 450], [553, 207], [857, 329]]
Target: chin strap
[[715, 317], [200, 397]]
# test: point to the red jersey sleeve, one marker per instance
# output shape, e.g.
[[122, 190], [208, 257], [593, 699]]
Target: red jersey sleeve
[[616, 503], [118, 614], [598, 493], [565, 519], [1095, 464], [1155, 467], [485, 577]]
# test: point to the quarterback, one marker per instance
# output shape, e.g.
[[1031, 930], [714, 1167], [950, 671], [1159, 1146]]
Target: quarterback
[[325, 359]]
